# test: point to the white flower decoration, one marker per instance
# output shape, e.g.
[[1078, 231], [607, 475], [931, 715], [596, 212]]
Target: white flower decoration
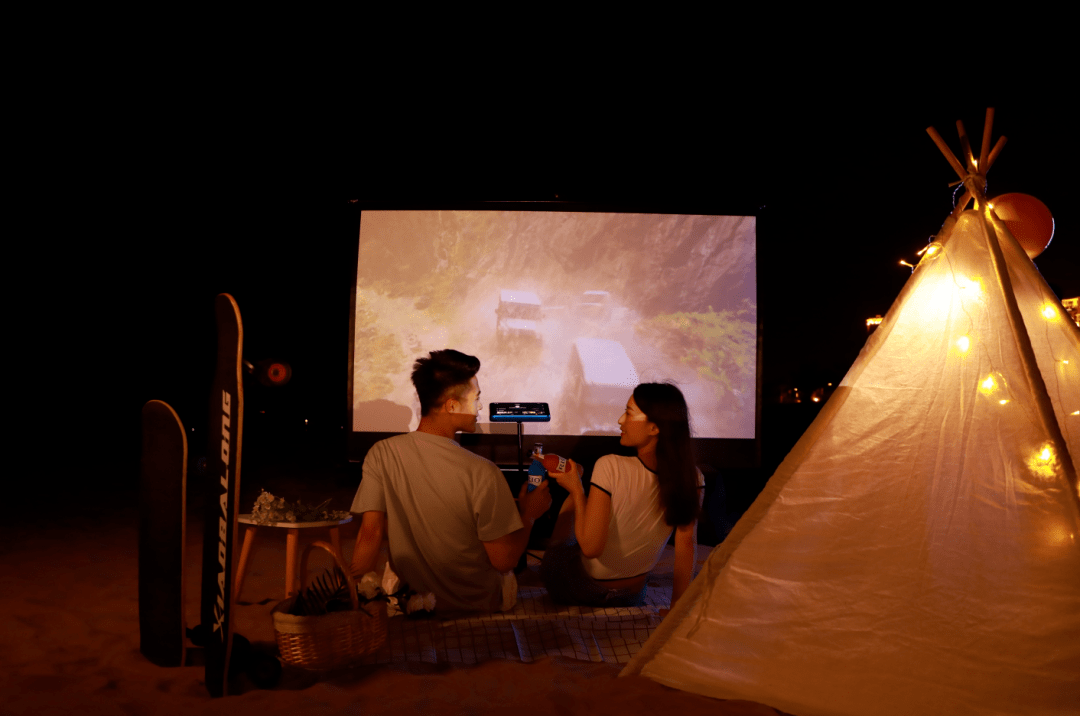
[[416, 604], [390, 581], [370, 586]]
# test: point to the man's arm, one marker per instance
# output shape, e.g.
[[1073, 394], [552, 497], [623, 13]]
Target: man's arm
[[368, 542], [506, 551]]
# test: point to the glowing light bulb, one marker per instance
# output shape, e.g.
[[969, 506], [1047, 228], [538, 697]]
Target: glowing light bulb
[[964, 343], [970, 285], [1002, 402], [1044, 463], [990, 204], [975, 163], [1049, 312], [905, 263], [988, 385]]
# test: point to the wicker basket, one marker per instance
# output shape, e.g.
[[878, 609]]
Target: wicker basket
[[329, 640]]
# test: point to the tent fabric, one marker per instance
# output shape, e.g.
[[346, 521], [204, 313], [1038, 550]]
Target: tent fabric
[[918, 551]]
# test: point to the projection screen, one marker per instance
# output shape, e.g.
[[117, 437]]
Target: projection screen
[[565, 307]]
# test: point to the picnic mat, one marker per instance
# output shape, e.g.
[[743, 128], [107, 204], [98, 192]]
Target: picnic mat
[[536, 627]]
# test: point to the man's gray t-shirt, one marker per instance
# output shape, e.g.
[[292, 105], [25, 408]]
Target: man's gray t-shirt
[[440, 502]]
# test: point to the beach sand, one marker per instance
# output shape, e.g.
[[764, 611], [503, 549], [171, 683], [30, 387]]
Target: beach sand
[[70, 644]]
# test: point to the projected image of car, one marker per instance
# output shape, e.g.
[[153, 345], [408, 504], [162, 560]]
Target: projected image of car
[[518, 317], [594, 305], [600, 379]]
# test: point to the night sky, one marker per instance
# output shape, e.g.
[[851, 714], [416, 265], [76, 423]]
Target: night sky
[[845, 184]]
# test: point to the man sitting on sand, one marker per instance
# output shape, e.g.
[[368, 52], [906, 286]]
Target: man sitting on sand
[[448, 513]]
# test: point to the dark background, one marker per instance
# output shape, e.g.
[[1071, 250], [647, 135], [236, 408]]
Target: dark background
[[261, 200]]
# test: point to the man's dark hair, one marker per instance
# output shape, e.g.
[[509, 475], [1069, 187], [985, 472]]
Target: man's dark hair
[[442, 375]]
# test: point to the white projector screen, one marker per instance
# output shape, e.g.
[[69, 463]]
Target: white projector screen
[[569, 308]]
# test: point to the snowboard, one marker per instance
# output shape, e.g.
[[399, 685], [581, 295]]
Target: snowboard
[[225, 428], [162, 519]]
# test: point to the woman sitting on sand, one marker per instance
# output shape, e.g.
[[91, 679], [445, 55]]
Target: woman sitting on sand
[[604, 545]]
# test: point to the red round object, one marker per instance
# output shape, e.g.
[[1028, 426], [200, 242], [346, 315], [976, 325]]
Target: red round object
[[1028, 219], [551, 463]]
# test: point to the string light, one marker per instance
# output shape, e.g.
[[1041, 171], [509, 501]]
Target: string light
[[972, 285], [988, 385], [963, 343], [905, 263], [1049, 312], [1044, 463]]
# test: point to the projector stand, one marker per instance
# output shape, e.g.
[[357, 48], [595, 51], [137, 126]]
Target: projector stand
[[521, 449]]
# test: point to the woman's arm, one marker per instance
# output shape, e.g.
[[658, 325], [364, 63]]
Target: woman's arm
[[685, 552], [685, 556], [592, 515]]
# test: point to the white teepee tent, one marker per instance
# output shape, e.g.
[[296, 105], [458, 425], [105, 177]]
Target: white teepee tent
[[918, 551]]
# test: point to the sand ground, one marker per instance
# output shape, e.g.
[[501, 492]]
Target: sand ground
[[70, 643]]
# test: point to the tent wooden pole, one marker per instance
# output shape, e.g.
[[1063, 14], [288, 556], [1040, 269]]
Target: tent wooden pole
[[964, 199], [1044, 409], [965, 147], [953, 162], [984, 153], [994, 153]]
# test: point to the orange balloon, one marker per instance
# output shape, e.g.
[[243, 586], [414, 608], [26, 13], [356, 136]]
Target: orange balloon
[[1027, 219]]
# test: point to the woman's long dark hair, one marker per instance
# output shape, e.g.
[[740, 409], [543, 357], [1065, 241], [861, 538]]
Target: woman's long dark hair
[[676, 469]]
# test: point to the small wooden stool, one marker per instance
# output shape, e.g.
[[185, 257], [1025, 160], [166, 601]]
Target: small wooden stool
[[292, 544]]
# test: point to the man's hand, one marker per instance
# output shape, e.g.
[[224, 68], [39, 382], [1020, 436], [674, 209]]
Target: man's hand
[[533, 505]]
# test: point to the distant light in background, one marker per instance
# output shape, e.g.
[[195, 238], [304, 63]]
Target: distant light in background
[[1072, 307], [872, 323]]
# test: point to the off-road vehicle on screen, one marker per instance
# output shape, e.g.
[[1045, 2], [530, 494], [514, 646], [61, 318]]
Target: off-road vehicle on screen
[[518, 317], [599, 381]]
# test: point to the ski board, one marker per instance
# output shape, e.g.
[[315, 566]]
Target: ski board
[[162, 520], [225, 428]]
